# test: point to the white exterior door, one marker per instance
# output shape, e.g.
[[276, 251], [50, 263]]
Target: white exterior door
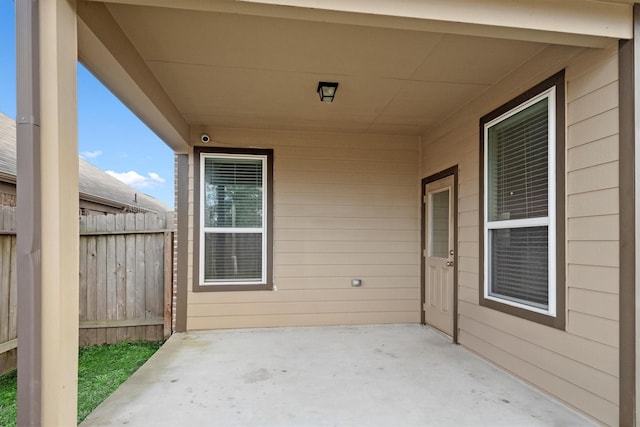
[[438, 306]]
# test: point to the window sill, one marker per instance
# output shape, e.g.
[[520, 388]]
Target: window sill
[[556, 322]]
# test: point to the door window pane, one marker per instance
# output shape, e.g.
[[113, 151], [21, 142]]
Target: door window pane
[[439, 224]]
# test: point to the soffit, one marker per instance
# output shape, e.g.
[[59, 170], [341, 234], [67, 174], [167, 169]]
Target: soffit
[[232, 70]]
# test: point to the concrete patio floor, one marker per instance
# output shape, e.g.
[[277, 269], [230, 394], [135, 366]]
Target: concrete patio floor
[[378, 375]]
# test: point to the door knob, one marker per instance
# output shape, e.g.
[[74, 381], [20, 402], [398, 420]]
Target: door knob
[[449, 263]]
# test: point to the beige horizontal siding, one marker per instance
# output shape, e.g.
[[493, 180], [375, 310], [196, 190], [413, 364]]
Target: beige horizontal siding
[[351, 270], [343, 247], [595, 328], [580, 364], [598, 127], [367, 235], [469, 249], [363, 156], [346, 258], [289, 168], [600, 304], [358, 200], [306, 319], [303, 307], [345, 207], [339, 211], [320, 190], [599, 253], [603, 227], [603, 410], [599, 356], [593, 203], [591, 72], [599, 177], [467, 294], [338, 282], [342, 223], [579, 375], [594, 153], [303, 295], [595, 278], [585, 107]]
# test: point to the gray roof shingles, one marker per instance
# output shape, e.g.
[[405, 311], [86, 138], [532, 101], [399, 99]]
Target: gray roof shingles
[[93, 181]]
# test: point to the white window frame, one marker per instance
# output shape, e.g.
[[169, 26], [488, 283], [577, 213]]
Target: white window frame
[[204, 230], [548, 221]]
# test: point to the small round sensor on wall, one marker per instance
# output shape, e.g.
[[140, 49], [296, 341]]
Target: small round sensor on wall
[[204, 138]]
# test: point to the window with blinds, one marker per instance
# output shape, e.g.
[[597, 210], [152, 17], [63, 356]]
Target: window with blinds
[[519, 214], [233, 210]]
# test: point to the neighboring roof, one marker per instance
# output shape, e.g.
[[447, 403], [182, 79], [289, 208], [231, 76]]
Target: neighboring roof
[[95, 184], [7, 146]]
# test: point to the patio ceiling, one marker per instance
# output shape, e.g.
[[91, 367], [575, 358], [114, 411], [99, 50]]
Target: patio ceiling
[[243, 71], [216, 67]]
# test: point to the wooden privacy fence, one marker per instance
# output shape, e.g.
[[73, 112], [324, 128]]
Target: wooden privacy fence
[[8, 291], [125, 279]]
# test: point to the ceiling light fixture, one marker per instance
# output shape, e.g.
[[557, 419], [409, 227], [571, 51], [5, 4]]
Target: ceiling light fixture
[[327, 91]]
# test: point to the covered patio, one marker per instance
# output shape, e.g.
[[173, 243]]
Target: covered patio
[[374, 375], [376, 208]]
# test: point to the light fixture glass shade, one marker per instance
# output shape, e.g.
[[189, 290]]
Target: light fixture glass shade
[[327, 91]]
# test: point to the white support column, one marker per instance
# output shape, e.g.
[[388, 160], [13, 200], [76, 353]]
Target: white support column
[[59, 211]]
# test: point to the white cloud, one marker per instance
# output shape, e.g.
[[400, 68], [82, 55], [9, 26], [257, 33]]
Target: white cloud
[[91, 154], [134, 179], [157, 178]]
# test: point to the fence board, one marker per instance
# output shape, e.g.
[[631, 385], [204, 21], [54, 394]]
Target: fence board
[[125, 280], [101, 280], [82, 282], [140, 278], [121, 276], [8, 345], [153, 274], [8, 291], [5, 269], [13, 293], [130, 224], [168, 278], [111, 265], [92, 274]]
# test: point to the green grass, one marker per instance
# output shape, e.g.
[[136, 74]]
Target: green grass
[[101, 369], [8, 383]]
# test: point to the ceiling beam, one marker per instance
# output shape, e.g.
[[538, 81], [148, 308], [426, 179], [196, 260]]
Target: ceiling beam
[[584, 23], [107, 52]]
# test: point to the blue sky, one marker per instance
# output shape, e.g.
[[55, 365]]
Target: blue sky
[[109, 135]]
